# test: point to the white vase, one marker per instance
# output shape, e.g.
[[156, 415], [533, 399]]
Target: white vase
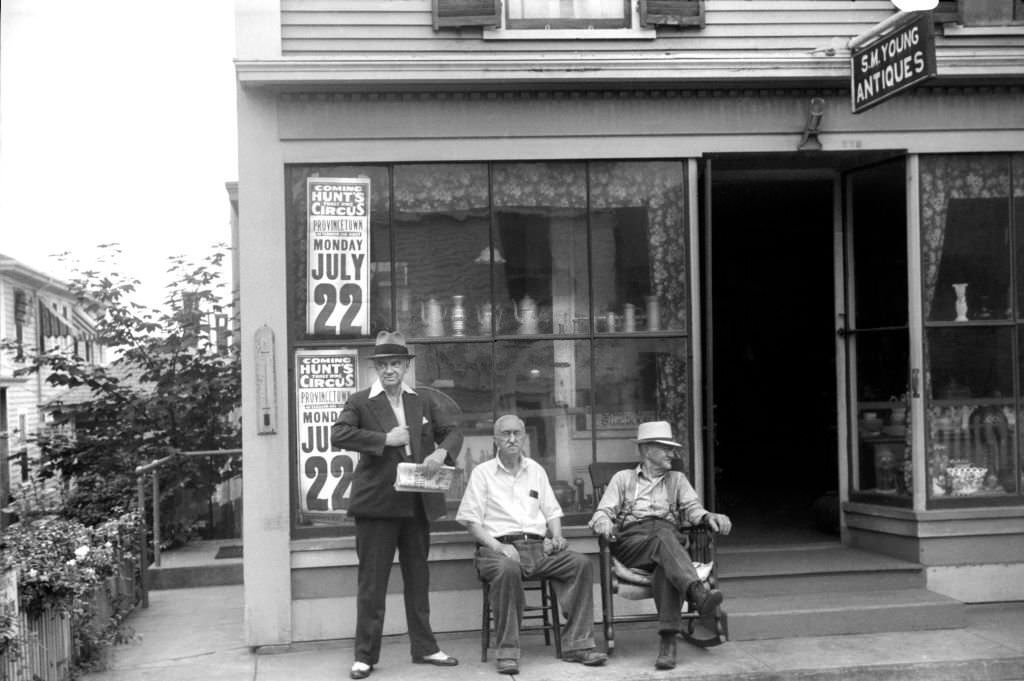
[[458, 316], [961, 302], [653, 313]]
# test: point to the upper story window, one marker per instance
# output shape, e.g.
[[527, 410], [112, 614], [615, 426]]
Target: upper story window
[[568, 19], [547, 14]]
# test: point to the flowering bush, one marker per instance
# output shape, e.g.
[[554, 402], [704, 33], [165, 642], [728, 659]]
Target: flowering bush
[[62, 563]]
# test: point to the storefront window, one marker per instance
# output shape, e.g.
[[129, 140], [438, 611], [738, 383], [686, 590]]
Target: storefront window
[[881, 469], [883, 464], [972, 325], [442, 243], [556, 291], [297, 244], [540, 213]]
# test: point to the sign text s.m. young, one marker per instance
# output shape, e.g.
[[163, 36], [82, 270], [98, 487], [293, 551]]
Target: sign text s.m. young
[[888, 65]]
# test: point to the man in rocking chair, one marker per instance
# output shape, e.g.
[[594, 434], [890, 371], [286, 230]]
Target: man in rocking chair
[[640, 513]]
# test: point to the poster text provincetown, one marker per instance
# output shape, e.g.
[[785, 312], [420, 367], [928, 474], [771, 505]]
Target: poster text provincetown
[[338, 256], [324, 381]]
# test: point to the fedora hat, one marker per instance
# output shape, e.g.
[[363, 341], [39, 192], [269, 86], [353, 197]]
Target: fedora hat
[[656, 431], [391, 345]]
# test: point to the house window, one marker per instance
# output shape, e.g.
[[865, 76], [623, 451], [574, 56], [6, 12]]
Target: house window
[[557, 291], [568, 19], [567, 14]]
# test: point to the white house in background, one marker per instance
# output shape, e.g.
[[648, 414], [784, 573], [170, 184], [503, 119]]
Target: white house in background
[[37, 312]]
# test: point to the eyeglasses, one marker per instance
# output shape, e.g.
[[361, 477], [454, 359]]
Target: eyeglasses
[[512, 435]]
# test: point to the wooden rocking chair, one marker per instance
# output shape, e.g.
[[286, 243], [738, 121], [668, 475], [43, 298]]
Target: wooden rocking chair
[[634, 584]]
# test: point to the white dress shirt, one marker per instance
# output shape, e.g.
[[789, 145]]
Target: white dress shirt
[[377, 388], [503, 503]]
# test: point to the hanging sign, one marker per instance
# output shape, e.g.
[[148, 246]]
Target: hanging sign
[[338, 256], [324, 380], [888, 65]]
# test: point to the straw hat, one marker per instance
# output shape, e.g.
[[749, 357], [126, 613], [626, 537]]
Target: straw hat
[[391, 345], [656, 431]]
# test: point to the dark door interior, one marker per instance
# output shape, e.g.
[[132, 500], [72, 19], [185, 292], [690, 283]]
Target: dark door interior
[[774, 368]]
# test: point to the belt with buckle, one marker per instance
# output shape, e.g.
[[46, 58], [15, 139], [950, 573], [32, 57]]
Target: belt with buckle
[[519, 536]]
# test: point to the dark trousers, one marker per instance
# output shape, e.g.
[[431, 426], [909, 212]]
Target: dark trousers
[[572, 576], [655, 544], [376, 541]]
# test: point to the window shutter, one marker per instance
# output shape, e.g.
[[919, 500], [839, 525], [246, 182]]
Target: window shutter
[[672, 12], [986, 12], [466, 13]]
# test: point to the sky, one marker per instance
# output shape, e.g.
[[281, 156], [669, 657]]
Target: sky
[[117, 124]]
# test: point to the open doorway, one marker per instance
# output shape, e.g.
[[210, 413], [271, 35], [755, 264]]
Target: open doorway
[[774, 355]]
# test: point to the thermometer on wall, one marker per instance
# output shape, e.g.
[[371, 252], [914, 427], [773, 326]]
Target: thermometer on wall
[[266, 381]]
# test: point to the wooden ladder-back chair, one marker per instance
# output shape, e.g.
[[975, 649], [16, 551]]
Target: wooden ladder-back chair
[[635, 584], [537, 616]]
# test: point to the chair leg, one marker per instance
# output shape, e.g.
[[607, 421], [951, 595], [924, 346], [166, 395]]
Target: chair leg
[[607, 614], [556, 618], [545, 610], [485, 622]]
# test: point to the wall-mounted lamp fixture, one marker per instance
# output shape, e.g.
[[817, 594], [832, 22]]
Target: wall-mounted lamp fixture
[[487, 255], [815, 113]]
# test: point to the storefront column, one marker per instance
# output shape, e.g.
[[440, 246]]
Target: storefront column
[[693, 189], [914, 297], [267, 518]]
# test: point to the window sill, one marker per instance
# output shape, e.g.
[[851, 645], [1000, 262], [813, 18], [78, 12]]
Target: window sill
[[959, 30], [570, 34]]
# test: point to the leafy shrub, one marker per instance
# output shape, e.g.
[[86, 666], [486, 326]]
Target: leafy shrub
[[62, 564]]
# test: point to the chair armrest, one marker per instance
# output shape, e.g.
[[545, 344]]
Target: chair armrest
[[701, 543]]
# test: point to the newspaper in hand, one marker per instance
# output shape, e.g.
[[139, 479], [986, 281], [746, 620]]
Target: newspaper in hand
[[411, 477]]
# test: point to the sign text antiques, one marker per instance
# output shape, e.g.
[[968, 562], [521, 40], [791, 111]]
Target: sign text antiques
[[892, 63]]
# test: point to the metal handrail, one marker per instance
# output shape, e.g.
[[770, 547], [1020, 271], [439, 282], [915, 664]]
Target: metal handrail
[[154, 468]]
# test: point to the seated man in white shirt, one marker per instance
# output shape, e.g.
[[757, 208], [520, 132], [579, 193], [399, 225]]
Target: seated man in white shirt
[[509, 507]]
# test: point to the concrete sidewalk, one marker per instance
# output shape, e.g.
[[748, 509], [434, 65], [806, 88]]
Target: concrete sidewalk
[[189, 634]]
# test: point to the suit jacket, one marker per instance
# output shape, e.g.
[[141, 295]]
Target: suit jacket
[[362, 427]]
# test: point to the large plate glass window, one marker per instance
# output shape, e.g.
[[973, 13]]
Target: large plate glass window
[[972, 263], [557, 291]]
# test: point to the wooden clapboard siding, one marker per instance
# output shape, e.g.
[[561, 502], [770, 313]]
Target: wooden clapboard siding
[[402, 32], [404, 26]]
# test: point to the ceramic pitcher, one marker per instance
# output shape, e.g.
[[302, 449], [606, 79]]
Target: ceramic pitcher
[[433, 317], [458, 316], [526, 314]]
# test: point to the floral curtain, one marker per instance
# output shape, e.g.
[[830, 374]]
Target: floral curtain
[[949, 177], [658, 187]]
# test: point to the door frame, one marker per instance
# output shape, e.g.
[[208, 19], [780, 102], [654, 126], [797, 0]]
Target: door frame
[[702, 179], [915, 316]]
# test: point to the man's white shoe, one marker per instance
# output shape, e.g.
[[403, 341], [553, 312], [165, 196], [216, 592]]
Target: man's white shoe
[[360, 670], [439, 659]]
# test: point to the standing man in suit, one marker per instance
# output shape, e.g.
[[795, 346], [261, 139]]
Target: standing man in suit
[[387, 424]]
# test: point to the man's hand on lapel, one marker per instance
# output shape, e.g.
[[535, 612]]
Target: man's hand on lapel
[[397, 436]]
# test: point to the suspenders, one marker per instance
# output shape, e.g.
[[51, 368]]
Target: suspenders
[[629, 501]]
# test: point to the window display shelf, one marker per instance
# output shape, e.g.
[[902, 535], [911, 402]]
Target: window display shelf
[[972, 401], [950, 324]]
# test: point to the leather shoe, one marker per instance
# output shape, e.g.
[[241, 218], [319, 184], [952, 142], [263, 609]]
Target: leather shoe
[[360, 672], [446, 661], [508, 666], [587, 656], [666, 652], [705, 601]]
